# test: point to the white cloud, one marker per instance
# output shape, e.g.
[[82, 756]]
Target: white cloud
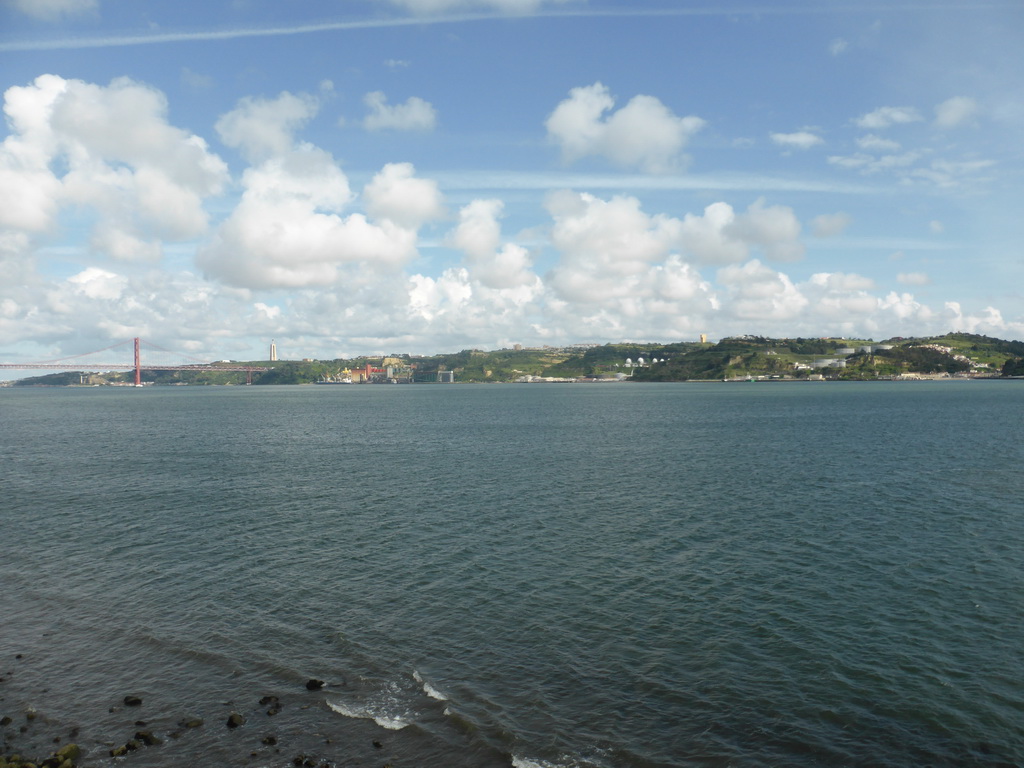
[[290, 228], [616, 275], [478, 235], [479, 231], [262, 128], [754, 291], [605, 244], [874, 143], [124, 246], [287, 231], [936, 227], [798, 140], [955, 111], [774, 229], [99, 283], [829, 224], [990, 321], [710, 238], [395, 194], [108, 150], [643, 134], [905, 308], [271, 313], [869, 164], [52, 10], [913, 278], [722, 236], [883, 117], [953, 173], [414, 115], [841, 282], [838, 300]]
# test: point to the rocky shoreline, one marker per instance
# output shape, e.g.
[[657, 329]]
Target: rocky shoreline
[[22, 731]]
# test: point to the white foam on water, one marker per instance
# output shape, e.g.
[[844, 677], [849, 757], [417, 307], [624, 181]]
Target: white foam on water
[[518, 761], [433, 693], [522, 762], [365, 713], [428, 689]]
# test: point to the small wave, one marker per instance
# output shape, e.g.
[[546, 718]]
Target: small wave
[[428, 689], [518, 761], [523, 762], [365, 713]]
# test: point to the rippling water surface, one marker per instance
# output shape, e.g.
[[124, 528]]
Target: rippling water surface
[[546, 575]]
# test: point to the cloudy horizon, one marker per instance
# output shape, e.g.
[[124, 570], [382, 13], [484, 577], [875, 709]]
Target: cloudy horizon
[[426, 176]]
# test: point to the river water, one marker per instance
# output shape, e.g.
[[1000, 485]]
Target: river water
[[538, 576]]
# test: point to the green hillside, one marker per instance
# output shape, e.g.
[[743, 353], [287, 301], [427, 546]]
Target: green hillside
[[730, 359]]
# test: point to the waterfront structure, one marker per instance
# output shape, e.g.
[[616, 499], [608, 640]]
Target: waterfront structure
[[273, 351]]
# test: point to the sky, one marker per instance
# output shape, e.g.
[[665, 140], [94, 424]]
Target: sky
[[355, 177]]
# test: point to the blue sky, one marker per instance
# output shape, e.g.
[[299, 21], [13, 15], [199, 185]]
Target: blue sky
[[431, 175]]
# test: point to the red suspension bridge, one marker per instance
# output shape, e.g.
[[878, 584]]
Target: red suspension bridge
[[78, 363]]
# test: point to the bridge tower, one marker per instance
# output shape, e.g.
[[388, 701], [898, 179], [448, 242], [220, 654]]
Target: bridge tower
[[138, 364]]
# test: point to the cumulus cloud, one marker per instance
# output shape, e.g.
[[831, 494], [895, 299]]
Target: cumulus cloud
[[643, 134], [841, 282], [774, 229], [883, 117], [263, 128], [52, 10], [989, 321], [955, 111], [414, 114], [395, 194], [292, 227], [478, 235], [331, 270], [754, 291], [829, 224], [721, 236], [109, 150], [798, 140], [98, 283], [288, 231], [905, 308], [616, 269], [604, 244], [838, 301]]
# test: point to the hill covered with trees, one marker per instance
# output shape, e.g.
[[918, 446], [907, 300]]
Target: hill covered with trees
[[735, 358]]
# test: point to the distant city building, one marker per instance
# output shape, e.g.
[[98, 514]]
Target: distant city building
[[273, 351]]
